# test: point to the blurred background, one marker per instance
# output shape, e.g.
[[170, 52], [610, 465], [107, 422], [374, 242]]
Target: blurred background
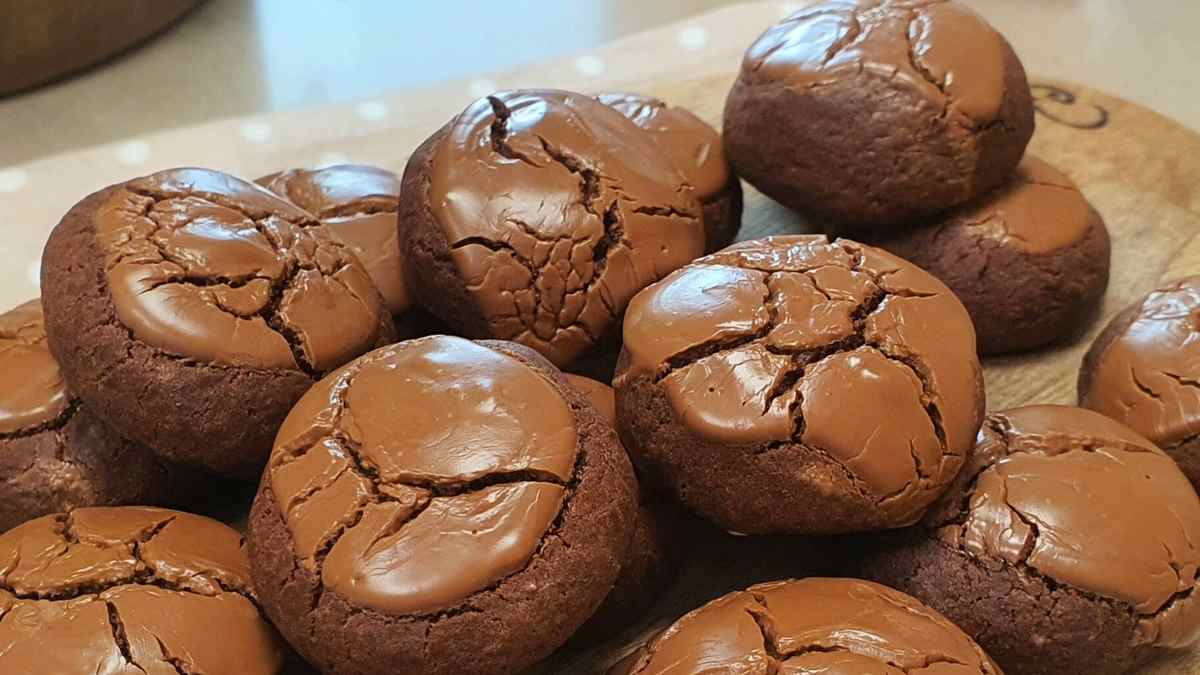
[[225, 58]]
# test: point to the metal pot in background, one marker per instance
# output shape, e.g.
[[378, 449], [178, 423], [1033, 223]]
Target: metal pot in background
[[41, 40]]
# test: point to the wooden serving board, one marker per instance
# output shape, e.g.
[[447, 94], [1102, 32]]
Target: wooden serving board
[[1139, 169]]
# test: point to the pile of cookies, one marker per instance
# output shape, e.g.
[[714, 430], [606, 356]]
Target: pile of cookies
[[415, 371], [932, 166]]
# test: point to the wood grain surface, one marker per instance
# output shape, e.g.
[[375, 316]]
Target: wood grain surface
[[1139, 169]]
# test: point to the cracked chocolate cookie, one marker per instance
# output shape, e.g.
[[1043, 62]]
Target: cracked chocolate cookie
[[440, 506], [535, 215], [655, 546], [1029, 260], [359, 204], [189, 310], [814, 625], [696, 149], [54, 454], [797, 385], [130, 590], [877, 113], [1144, 371], [1066, 545]]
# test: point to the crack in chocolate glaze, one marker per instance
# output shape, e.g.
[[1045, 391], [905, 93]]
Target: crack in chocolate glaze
[[175, 662], [55, 424], [589, 178], [761, 614], [826, 625], [235, 262], [914, 364], [851, 36], [1182, 380], [891, 41], [801, 358], [103, 587], [589, 190], [34, 397], [119, 636], [142, 577], [574, 228], [967, 523], [785, 383], [1143, 369], [499, 129], [412, 492], [765, 344], [802, 355], [205, 584], [666, 211]]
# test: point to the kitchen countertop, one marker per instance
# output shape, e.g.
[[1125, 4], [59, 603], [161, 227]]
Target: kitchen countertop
[[241, 57]]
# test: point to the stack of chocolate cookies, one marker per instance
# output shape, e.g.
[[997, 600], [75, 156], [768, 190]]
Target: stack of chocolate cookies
[[199, 328], [904, 124], [416, 371]]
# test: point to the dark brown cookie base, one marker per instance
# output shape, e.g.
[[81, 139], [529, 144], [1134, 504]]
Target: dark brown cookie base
[[864, 153], [1018, 300], [221, 418], [502, 629], [723, 216], [417, 323], [1029, 624], [78, 462], [600, 362], [656, 548]]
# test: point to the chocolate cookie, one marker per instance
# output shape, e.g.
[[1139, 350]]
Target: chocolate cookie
[[1144, 371], [54, 454], [814, 625], [439, 506], [359, 204], [797, 385], [1029, 260], [189, 310], [1066, 545], [878, 113], [130, 590], [696, 149], [655, 546], [536, 215]]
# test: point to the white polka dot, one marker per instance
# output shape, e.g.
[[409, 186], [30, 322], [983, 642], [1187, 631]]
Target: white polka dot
[[12, 180], [133, 152], [331, 159], [481, 87], [256, 132], [372, 111], [590, 65], [789, 8], [693, 38], [35, 273]]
